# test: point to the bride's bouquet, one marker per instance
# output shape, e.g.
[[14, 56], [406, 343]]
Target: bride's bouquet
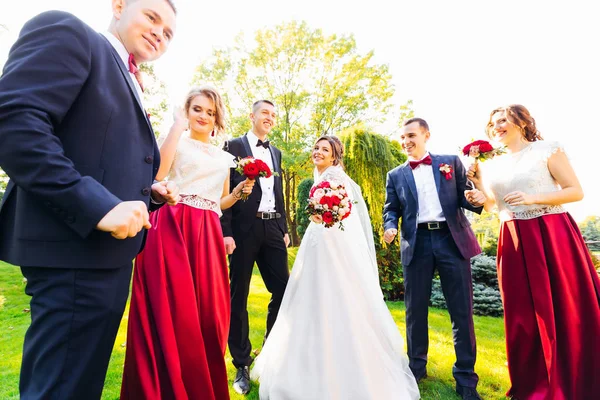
[[328, 203]]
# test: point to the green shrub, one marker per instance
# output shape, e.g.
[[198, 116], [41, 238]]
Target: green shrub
[[302, 220], [391, 278], [486, 295]]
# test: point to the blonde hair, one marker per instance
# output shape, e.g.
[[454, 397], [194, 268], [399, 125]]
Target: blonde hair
[[210, 93]]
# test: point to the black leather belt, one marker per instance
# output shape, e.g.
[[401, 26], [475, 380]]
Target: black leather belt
[[268, 215], [433, 226]]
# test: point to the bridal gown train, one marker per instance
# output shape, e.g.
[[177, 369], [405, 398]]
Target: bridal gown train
[[334, 338]]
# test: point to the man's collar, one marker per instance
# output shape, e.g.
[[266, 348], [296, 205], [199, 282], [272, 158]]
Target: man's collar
[[118, 46], [424, 155], [252, 138]]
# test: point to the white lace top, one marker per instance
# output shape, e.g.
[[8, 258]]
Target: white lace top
[[525, 171], [200, 170]]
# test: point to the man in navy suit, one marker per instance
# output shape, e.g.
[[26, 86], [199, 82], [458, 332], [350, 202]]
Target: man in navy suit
[[428, 194], [79, 149]]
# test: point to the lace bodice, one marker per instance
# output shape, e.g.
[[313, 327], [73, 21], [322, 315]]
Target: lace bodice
[[200, 170], [525, 171]]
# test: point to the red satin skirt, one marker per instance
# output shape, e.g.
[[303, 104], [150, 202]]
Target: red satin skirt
[[180, 310], [551, 296]]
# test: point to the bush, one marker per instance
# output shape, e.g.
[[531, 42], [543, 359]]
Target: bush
[[490, 247], [486, 295], [302, 220], [391, 278]]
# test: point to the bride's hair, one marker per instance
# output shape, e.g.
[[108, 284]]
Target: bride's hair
[[337, 148]]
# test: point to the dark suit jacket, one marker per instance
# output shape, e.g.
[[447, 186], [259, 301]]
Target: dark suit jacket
[[238, 219], [402, 202], [75, 141]]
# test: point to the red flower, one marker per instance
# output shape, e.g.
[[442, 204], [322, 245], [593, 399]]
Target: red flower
[[326, 200], [251, 170], [335, 201], [484, 147], [327, 217], [324, 185]]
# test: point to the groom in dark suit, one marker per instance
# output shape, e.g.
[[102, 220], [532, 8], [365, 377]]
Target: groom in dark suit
[[79, 149], [428, 194], [255, 231]]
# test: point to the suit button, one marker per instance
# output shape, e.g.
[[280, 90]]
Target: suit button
[[149, 159], [146, 191]]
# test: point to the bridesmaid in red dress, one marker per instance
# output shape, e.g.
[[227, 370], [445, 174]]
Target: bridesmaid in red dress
[[550, 289], [179, 313]]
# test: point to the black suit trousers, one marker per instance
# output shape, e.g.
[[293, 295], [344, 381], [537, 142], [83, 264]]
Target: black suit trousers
[[264, 245]]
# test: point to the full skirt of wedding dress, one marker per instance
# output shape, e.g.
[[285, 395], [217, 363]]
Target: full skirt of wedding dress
[[334, 337]]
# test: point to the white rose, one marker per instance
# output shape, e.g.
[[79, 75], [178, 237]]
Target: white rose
[[341, 212], [318, 194], [344, 202], [325, 206], [335, 208]]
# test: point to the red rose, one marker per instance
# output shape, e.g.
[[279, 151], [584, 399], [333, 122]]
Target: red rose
[[326, 200], [251, 170], [327, 217], [335, 201], [312, 191], [324, 185], [484, 147]]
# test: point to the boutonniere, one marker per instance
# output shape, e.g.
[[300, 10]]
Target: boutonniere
[[446, 170]]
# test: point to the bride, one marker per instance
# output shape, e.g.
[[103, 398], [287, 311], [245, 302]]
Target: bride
[[334, 337]]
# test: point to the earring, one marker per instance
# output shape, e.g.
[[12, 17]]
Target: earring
[[212, 134]]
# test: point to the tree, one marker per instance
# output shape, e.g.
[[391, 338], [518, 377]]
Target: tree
[[155, 97], [320, 84], [486, 227], [590, 230]]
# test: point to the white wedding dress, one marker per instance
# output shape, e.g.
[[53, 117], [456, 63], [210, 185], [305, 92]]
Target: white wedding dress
[[334, 338]]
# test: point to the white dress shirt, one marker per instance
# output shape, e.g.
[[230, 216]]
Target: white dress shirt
[[267, 201], [124, 54], [430, 208]]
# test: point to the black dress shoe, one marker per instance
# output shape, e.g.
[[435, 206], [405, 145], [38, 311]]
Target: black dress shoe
[[241, 384], [420, 375], [468, 393]]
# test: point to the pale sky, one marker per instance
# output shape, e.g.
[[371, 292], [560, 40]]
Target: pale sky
[[457, 60]]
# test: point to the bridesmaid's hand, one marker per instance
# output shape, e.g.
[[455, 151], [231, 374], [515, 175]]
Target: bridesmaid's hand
[[180, 121], [245, 187], [473, 174], [519, 199]]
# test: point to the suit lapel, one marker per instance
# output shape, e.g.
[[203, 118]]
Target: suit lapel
[[247, 146], [436, 171], [410, 179], [127, 78]]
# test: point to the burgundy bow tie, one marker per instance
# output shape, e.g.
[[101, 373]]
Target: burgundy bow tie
[[133, 68], [415, 164]]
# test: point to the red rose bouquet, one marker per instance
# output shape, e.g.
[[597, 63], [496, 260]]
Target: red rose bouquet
[[253, 168], [482, 150], [328, 203]]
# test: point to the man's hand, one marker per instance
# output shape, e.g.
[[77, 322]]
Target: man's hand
[[165, 192], [125, 220], [389, 235], [475, 197], [229, 244], [286, 240]]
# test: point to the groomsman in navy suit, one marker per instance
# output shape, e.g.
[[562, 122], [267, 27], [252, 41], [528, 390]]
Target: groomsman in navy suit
[[81, 155], [428, 194]]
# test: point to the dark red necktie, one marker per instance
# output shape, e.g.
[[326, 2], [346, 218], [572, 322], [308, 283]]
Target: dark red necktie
[[415, 164], [133, 68]]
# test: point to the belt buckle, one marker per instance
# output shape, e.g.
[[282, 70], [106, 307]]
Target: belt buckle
[[433, 225], [268, 215]]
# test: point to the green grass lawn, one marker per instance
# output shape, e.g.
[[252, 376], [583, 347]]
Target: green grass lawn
[[491, 358]]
